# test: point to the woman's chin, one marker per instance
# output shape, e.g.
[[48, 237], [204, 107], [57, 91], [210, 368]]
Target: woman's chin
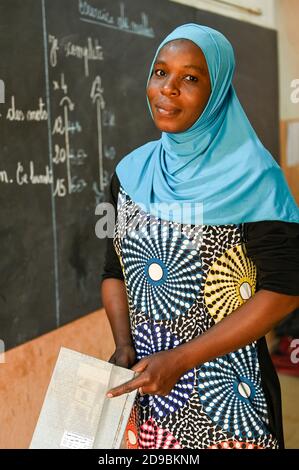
[[167, 127]]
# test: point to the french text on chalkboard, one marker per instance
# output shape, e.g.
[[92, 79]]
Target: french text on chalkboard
[[104, 17]]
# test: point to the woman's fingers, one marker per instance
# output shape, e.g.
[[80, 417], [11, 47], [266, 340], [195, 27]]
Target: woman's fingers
[[128, 386]]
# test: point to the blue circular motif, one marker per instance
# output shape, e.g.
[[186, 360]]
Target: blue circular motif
[[231, 393], [149, 340], [163, 270], [156, 271]]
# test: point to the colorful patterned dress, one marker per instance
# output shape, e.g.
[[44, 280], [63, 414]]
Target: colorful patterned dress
[[182, 279]]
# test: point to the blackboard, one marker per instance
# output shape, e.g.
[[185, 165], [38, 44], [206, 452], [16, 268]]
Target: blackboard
[[75, 73]]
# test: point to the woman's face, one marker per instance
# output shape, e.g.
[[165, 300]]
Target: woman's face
[[179, 87]]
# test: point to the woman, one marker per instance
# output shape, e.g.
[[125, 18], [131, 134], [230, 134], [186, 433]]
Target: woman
[[204, 260]]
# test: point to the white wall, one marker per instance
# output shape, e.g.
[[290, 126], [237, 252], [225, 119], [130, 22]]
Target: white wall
[[288, 43], [267, 8]]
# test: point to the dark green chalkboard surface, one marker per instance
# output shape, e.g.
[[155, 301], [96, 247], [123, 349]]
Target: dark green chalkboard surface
[[75, 73]]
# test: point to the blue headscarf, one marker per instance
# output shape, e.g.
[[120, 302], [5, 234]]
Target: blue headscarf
[[218, 169]]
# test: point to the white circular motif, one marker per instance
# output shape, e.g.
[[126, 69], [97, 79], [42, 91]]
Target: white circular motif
[[132, 437], [155, 272], [245, 290], [244, 389]]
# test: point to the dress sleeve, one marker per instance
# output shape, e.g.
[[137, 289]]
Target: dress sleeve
[[274, 248], [112, 267]]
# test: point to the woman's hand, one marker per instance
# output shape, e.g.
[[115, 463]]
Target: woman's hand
[[124, 356], [158, 375]]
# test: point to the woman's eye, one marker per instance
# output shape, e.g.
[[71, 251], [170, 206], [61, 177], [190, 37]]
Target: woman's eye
[[194, 79], [158, 70]]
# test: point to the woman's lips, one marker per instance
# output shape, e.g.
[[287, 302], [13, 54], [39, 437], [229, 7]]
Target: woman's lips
[[167, 112]]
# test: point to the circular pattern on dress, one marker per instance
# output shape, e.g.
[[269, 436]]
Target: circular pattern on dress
[[149, 341], [244, 389], [153, 437], [231, 281], [163, 270], [156, 271], [231, 393], [131, 432]]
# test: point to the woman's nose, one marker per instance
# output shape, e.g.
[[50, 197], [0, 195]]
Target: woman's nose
[[169, 87]]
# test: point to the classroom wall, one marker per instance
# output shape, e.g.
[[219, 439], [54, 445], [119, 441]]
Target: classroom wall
[[287, 14], [288, 42], [239, 9], [25, 375]]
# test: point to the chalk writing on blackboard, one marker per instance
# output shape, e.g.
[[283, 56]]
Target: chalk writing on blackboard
[[65, 125], [96, 95], [122, 22], [92, 50], [16, 114]]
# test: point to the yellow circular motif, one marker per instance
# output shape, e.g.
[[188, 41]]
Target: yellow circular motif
[[231, 281]]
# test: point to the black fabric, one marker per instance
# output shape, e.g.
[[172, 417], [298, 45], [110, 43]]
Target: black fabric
[[112, 267], [271, 387], [274, 248]]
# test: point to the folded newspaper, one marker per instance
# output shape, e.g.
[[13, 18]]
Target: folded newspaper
[[76, 414]]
